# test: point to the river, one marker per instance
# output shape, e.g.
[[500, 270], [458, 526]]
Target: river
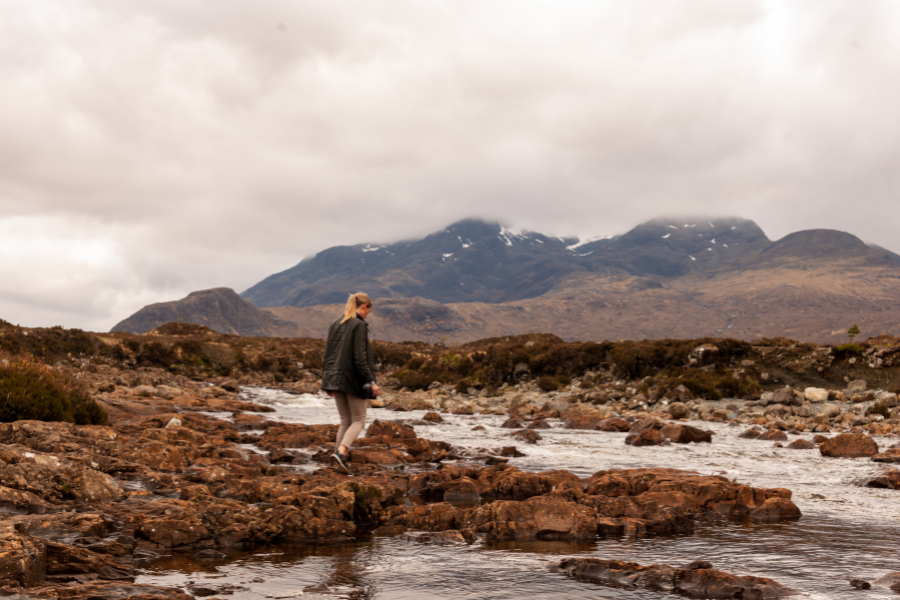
[[846, 531]]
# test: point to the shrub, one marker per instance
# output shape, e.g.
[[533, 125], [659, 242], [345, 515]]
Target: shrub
[[548, 384], [850, 348], [31, 390]]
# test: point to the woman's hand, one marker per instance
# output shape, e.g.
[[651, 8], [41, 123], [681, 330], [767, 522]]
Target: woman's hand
[[375, 390]]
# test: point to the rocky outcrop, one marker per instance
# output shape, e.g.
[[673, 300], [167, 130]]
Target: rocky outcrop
[[697, 580]]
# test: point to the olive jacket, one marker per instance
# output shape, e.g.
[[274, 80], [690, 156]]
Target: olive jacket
[[348, 364]]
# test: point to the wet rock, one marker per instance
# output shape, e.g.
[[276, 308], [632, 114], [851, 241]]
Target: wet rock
[[678, 410], [581, 417], [686, 434], [801, 444], [518, 486], [540, 517], [890, 581], [773, 435], [647, 437], [751, 434], [849, 445], [612, 424], [889, 480], [110, 591], [890, 455], [693, 583], [818, 439], [440, 538], [539, 424], [390, 429], [23, 559], [321, 588], [776, 509], [513, 423], [478, 428], [433, 417], [511, 451], [529, 436], [465, 409], [860, 584]]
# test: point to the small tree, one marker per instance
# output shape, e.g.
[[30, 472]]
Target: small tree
[[853, 332]]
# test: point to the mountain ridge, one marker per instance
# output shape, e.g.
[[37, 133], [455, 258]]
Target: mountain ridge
[[666, 277]]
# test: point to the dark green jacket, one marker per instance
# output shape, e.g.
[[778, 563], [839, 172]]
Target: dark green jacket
[[348, 364]]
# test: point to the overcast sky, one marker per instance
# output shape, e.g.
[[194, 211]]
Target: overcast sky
[[155, 147]]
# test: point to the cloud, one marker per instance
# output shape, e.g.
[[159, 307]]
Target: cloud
[[155, 148]]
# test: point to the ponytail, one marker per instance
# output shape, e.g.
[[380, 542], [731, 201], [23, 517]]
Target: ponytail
[[353, 303]]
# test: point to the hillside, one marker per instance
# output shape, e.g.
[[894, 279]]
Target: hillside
[[664, 278]]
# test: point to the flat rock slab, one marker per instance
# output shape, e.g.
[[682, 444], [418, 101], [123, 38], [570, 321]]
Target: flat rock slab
[[690, 582]]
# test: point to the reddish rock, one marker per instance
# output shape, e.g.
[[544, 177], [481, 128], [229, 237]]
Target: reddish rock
[[465, 409], [776, 509], [690, 582], [890, 455], [515, 485], [818, 439], [613, 424], [539, 424], [647, 437], [433, 417], [849, 445], [751, 434], [773, 435], [389, 429], [889, 480], [540, 517], [513, 423], [686, 434], [529, 436], [801, 444]]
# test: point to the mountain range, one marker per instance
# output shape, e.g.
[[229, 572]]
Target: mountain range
[[664, 278]]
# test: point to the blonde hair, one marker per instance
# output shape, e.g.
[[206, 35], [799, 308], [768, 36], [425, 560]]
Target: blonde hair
[[353, 303]]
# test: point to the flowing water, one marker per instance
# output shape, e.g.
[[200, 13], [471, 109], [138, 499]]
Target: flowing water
[[846, 531]]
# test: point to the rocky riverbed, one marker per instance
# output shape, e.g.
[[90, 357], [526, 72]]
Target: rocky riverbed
[[195, 488]]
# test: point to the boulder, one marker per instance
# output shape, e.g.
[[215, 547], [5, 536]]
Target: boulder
[[801, 444], [777, 409], [890, 455], [686, 434], [529, 436], [814, 394], [849, 445], [613, 424], [433, 417], [773, 435], [647, 437], [679, 410], [776, 509]]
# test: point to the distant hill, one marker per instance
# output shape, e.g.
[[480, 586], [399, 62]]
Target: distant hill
[[664, 278], [220, 309]]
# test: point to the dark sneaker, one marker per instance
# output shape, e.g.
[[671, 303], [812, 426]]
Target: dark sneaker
[[340, 463]]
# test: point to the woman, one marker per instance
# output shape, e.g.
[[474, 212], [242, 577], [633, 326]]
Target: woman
[[348, 373]]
